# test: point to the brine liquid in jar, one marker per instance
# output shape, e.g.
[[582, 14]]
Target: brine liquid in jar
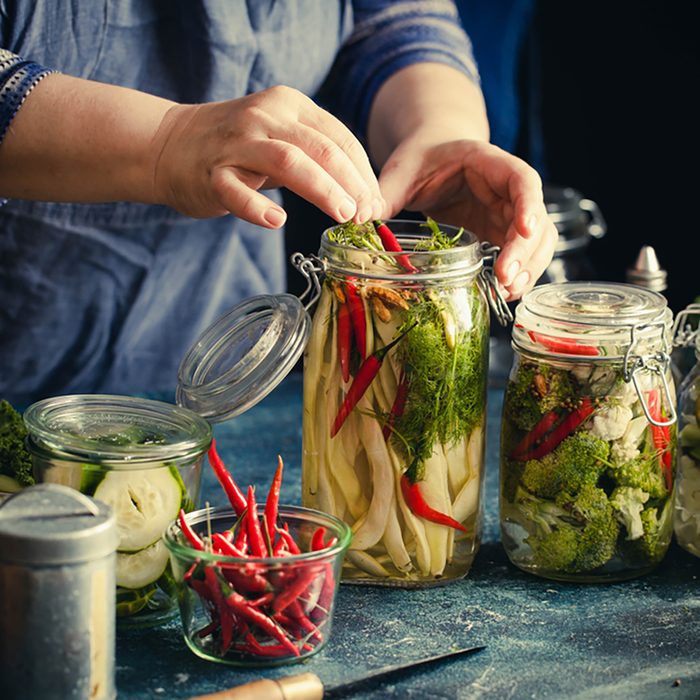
[[395, 400], [588, 433]]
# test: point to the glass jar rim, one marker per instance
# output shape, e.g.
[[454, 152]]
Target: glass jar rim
[[79, 426], [464, 260], [344, 536], [590, 320]]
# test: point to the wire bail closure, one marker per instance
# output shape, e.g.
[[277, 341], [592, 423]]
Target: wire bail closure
[[684, 335], [486, 280], [658, 363], [310, 266]]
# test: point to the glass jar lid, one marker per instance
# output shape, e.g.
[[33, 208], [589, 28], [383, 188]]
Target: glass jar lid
[[593, 319], [243, 356], [116, 430]]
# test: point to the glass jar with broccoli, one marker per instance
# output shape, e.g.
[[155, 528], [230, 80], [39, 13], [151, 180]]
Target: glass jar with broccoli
[[394, 398], [588, 433], [686, 513], [141, 457]]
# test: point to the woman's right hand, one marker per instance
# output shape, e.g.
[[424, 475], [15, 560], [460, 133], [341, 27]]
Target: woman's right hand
[[211, 159]]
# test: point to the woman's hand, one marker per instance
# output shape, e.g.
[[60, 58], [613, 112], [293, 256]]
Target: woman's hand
[[214, 158], [474, 184]]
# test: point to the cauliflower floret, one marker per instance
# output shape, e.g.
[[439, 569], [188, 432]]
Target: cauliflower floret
[[626, 449], [581, 372], [624, 393], [610, 423], [623, 452]]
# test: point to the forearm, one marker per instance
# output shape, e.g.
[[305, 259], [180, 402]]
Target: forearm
[[431, 101], [78, 140]]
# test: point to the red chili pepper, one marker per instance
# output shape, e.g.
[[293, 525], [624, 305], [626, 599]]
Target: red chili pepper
[[367, 372], [344, 339], [240, 606], [391, 244], [415, 501], [561, 431], [295, 587], [325, 598], [273, 498], [357, 316], [661, 436], [562, 345], [255, 536], [192, 537], [543, 426], [317, 539], [296, 613], [223, 546], [215, 586], [397, 408], [235, 495], [292, 546]]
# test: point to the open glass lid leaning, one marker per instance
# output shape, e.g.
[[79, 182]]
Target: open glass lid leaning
[[246, 353]]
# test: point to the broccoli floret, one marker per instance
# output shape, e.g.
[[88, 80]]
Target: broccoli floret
[[557, 550], [657, 532], [535, 390], [15, 460], [598, 536], [578, 461], [572, 534], [643, 472], [629, 503]]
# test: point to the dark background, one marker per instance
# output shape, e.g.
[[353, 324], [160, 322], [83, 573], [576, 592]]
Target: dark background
[[600, 97]]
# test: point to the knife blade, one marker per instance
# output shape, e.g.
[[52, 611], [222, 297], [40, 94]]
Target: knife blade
[[308, 686]]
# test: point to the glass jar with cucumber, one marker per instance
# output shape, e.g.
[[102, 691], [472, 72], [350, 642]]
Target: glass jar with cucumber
[[141, 457]]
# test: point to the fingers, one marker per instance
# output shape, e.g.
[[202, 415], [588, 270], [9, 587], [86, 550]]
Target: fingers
[[249, 204], [524, 258], [330, 142], [314, 154], [353, 174], [531, 237]]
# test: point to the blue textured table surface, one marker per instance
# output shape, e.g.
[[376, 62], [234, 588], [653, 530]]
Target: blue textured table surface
[[639, 639]]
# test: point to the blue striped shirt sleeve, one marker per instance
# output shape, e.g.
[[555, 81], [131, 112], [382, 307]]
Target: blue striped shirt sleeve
[[18, 78], [389, 35]]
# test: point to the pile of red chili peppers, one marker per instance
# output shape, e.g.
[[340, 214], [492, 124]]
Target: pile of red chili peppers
[[257, 609]]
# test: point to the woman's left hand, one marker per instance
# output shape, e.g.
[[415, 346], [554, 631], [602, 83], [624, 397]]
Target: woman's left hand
[[477, 185]]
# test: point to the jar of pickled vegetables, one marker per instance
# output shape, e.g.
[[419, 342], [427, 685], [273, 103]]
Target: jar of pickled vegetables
[[686, 513], [395, 378], [588, 433], [141, 457]]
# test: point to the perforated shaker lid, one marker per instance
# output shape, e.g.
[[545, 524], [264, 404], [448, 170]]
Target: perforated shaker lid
[[52, 524]]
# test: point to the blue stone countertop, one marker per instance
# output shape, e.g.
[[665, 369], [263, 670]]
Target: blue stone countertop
[[638, 639]]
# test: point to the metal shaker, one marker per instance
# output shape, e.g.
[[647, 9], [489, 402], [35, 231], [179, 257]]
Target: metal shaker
[[57, 603]]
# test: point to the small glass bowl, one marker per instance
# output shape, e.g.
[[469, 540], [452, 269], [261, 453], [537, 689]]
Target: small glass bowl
[[278, 609]]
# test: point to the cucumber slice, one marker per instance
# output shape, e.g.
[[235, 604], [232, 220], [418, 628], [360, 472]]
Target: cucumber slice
[[138, 569], [129, 602], [144, 501], [90, 478]]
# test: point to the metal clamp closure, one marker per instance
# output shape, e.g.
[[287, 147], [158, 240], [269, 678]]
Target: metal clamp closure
[[684, 335], [310, 267], [658, 363], [486, 279]]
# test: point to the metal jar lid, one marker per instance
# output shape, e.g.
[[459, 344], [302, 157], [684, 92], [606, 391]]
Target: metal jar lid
[[50, 524]]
